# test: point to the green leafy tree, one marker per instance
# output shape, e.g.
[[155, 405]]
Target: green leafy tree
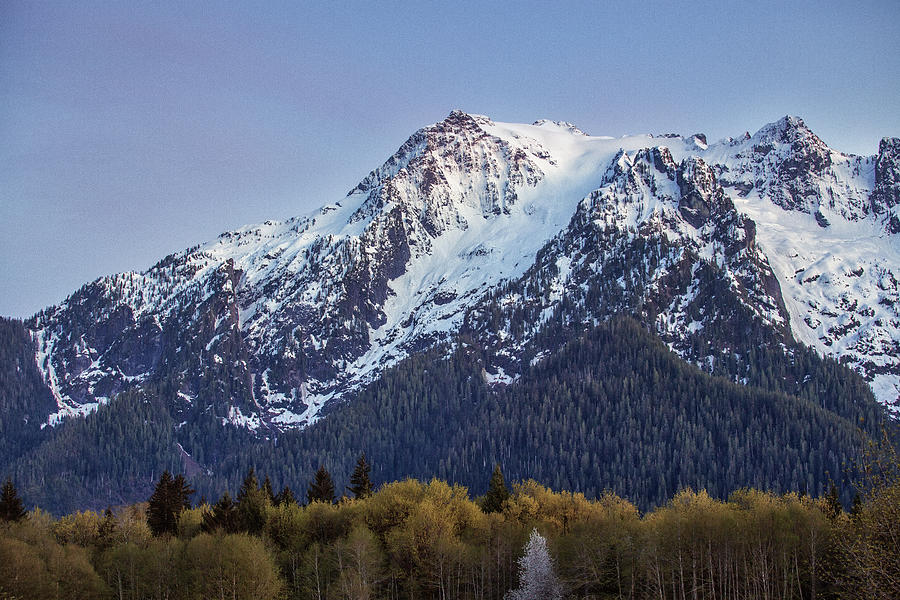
[[11, 508], [231, 566], [360, 483], [871, 553], [497, 493], [321, 488]]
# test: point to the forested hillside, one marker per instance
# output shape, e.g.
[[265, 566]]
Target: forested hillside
[[612, 409]]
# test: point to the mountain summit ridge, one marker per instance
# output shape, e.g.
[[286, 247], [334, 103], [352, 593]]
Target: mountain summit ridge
[[268, 324]]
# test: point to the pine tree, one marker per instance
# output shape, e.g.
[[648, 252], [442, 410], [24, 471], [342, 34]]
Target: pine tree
[[497, 493], [856, 507], [537, 578], [251, 504], [833, 506], [250, 484], [267, 490], [223, 516], [361, 485], [171, 496], [107, 530], [285, 496], [11, 508], [321, 488]]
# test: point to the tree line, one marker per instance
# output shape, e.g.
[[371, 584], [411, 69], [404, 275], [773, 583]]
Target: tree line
[[417, 539]]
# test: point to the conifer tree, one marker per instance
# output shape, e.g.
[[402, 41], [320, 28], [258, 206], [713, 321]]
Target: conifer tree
[[171, 496], [11, 508], [833, 506], [251, 504], [267, 490], [107, 529], [223, 516], [856, 507], [360, 484], [321, 488], [497, 493], [285, 496], [250, 484]]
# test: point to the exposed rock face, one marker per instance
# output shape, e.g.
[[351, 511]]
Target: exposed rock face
[[494, 228], [886, 195], [701, 197], [789, 165]]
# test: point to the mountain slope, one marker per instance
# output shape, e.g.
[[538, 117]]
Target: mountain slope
[[613, 408], [266, 325]]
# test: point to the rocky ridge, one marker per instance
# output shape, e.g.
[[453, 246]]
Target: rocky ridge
[[492, 229]]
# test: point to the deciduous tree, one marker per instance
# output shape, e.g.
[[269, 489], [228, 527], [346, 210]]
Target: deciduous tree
[[537, 576]]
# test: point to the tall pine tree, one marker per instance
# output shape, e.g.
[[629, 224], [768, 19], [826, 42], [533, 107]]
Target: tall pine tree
[[11, 508], [360, 484], [223, 516], [267, 490], [171, 496], [321, 488], [251, 503], [285, 496], [497, 492]]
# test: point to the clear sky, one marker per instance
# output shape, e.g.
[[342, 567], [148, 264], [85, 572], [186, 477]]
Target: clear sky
[[132, 130]]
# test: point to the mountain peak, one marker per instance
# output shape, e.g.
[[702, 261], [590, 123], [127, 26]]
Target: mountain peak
[[787, 129], [460, 119], [563, 125]]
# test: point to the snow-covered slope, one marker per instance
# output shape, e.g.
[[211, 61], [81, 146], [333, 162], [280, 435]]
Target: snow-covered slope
[[267, 324]]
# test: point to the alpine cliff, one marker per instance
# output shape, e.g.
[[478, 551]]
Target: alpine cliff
[[764, 261]]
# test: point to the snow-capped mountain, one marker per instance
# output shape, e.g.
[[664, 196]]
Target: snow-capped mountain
[[494, 228]]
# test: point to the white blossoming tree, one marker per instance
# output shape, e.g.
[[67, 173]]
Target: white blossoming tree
[[537, 577]]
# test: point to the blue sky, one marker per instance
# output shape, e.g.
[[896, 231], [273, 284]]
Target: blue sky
[[132, 130]]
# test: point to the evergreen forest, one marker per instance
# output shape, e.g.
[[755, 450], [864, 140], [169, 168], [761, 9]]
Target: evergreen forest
[[612, 409]]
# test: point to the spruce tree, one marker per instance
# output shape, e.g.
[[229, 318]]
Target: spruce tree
[[160, 517], [171, 496], [285, 496], [321, 488], [856, 507], [11, 508], [832, 506], [107, 530], [360, 484], [251, 504], [497, 492], [267, 490], [223, 516], [250, 484]]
